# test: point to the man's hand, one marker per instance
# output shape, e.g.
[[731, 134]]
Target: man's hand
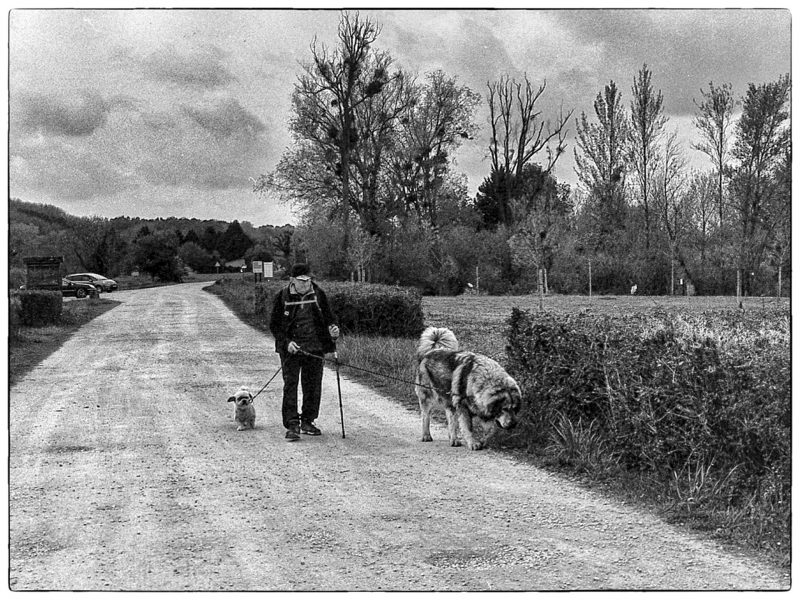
[[293, 348], [334, 331]]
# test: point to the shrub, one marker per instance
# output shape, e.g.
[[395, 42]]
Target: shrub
[[361, 308], [39, 307], [17, 277], [14, 316], [704, 399]]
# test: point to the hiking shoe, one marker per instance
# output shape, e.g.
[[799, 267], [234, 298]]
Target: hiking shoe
[[292, 435], [309, 429]]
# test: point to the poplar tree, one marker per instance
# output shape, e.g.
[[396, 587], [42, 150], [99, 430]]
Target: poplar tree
[[647, 124], [714, 120]]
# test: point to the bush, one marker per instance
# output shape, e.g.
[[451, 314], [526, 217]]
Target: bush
[[39, 307], [361, 308], [689, 400], [17, 277], [14, 316]]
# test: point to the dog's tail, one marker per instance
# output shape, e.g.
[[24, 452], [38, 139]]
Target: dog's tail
[[436, 337]]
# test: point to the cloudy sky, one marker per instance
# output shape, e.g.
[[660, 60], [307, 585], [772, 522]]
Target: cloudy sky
[[158, 113]]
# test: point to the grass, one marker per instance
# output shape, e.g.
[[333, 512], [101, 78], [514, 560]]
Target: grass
[[29, 346]]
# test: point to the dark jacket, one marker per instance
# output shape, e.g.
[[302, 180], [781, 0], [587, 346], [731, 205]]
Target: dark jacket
[[283, 316]]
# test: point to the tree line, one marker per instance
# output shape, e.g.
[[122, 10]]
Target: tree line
[[160, 248], [371, 172]]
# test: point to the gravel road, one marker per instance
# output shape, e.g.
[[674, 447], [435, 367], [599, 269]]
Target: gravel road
[[126, 472]]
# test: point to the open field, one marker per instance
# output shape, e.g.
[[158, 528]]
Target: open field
[[479, 322]]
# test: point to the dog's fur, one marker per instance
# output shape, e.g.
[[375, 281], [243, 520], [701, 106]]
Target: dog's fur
[[469, 386], [245, 414]]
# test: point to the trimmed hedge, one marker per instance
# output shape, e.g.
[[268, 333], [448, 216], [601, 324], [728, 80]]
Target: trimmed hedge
[[38, 308], [361, 308], [705, 398]]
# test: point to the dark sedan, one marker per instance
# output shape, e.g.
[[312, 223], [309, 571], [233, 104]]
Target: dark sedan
[[79, 289], [103, 284]]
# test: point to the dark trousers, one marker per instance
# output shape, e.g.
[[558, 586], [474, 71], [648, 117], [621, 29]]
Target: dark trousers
[[298, 368]]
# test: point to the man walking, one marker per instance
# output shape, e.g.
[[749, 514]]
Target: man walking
[[302, 322]]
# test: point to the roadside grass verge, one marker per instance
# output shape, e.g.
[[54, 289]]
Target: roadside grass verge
[[692, 496], [29, 346]]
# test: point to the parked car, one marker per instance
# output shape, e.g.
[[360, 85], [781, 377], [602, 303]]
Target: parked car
[[79, 289], [103, 284]]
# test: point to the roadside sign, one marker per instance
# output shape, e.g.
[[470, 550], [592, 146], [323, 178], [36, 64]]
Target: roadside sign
[[268, 269], [258, 266]]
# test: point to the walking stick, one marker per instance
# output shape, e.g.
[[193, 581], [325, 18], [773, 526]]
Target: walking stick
[[339, 387]]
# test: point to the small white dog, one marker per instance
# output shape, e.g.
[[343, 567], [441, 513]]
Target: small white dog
[[245, 410]]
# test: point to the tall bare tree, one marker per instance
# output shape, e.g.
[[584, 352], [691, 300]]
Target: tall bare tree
[[672, 200], [328, 102], [702, 205], [519, 133], [714, 120], [647, 124]]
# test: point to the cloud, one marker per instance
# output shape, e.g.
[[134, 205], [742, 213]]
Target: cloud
[[61, 169], [227, 118], [208, 146], [201, 68], [684, 49], [72, 116]]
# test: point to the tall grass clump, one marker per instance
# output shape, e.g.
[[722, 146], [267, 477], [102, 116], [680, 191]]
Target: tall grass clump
[[700, 405]]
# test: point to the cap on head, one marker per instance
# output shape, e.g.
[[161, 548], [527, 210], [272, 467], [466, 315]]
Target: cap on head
[[300, 269]]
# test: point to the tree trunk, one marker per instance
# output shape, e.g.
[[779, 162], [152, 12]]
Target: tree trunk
[[672, 273], [541, 288], [590, 278], [739, 287], [780, 273]]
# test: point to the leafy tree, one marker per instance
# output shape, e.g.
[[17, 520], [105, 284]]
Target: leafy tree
[[258, 252], [647, 123], [196, 258], [600, 158], [143, 231], [191, 236], [436, 124], [156, 255], [701, 206], [282, 245], [210, 239], [762, 141], [602, 147], [233, 242], [541, 217], [492, 197]]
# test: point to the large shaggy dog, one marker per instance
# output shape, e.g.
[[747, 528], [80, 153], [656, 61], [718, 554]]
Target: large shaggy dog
[[473, 389]]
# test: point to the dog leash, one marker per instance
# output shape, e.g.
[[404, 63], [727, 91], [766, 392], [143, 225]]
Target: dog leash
[[338, 364], [270, 381]]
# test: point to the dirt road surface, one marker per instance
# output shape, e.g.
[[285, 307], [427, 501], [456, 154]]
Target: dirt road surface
[[127, 473]]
